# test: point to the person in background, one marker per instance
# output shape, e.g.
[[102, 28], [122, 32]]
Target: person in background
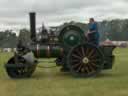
[[93, 34]]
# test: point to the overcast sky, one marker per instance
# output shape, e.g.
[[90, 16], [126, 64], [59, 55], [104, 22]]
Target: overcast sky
[[54, 12]]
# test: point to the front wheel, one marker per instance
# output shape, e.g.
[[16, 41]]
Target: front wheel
[[18, 67]]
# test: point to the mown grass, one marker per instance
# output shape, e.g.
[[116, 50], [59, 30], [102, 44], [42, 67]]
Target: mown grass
[[51, 82]]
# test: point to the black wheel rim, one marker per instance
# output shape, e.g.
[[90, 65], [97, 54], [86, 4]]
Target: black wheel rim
[[85, 60]]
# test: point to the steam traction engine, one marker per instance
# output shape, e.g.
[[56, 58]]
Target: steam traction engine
[[73, 53]]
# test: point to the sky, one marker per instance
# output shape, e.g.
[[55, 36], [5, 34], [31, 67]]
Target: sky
[[14, 13]]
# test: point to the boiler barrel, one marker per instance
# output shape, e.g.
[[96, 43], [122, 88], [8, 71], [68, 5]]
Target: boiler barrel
[[47, 51]]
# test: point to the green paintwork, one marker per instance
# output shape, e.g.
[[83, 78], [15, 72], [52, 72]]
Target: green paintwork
[[109, 58], [70, 36], [47, 51]]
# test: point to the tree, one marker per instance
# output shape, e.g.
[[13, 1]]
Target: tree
[[24, 37], [8, 39]]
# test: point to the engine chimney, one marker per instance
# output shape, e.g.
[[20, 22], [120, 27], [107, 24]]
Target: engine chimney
[[33, 26]]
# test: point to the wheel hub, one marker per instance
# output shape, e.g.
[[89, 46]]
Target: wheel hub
[[85, 60]]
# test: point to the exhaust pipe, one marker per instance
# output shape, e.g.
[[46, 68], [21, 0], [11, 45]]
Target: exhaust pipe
[[33, 26]]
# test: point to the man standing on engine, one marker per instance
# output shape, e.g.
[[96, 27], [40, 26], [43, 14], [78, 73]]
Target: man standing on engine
[[93, 34]]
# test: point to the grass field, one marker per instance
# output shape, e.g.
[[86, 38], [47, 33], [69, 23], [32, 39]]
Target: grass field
[[51, 82]]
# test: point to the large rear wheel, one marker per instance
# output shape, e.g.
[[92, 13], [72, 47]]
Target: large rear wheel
[[85, 60]]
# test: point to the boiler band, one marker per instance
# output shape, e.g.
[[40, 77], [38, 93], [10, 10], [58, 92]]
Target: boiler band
[[47, 51]]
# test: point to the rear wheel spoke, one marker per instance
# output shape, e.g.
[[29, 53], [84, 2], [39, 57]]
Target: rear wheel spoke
[[95, 65], [87, 70], [75, 61], [76, 65], [78, 52], [94, 61], [79, 68], [83, 70], [76, 56], [87, 51], [91, 68], [83, 52], [91, 53]]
